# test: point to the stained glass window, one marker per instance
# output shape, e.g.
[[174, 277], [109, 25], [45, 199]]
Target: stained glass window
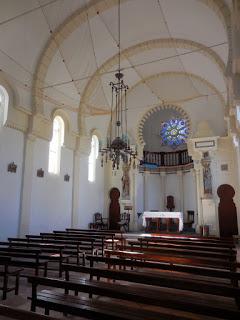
[[174, 132]]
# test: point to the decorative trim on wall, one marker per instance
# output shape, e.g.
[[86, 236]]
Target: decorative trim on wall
[[40, 173], [205, 144], [12, 167]]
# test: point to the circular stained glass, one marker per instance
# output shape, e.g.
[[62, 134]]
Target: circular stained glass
[[174, 132]]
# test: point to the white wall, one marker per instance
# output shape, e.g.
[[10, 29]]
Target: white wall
[[189, 194], [157, 187], [51, 196], [91, 195], [153, 192], [11, 150]]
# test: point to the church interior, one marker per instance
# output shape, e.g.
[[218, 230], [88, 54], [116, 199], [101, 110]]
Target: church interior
[[120, 159]]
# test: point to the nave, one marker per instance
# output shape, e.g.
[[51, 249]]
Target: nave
[[119, 159]]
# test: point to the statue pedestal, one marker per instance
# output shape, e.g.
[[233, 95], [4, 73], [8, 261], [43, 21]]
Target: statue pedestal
[[209, 215]]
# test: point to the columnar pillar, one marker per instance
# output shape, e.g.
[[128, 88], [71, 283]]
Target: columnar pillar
[[82, 150], [181, 191], [75, 190], [198, 178], [26, 188]]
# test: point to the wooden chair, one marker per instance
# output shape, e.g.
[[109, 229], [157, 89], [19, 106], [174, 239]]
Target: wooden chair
[[124, 221], [99, 222]]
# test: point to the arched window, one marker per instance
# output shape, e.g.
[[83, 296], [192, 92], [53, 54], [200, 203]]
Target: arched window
[[55, 145], [92, 159], [4, 99]]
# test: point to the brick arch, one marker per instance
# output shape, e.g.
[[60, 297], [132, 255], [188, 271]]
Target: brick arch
[[160, 107]]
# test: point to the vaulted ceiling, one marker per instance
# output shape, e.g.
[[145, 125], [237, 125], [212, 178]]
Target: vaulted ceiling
[[62, 54]]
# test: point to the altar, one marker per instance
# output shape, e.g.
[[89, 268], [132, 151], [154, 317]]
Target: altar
[[166, 215]]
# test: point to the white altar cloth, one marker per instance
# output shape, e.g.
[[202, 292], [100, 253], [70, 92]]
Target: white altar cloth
[[173, 215]]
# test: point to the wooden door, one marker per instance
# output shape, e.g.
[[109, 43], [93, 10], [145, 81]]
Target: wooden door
[[114, 209], [227, 213]]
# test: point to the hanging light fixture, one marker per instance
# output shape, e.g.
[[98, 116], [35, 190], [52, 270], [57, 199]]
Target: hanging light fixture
[[118, 144]]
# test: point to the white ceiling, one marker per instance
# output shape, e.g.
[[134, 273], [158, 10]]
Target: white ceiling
[[26, 26]]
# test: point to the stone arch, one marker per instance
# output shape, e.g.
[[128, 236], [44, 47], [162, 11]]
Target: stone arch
[[145, 46], [150, 111]]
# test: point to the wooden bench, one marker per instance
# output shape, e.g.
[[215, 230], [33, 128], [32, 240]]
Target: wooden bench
[[185, 246], [98, 237], [214, 274], [75, 248], [96, 243], [181, 251], [49, 251], [19, 314], [143, 295], [202, 262], [185, 240], [93, 230], [26, 258], [6, 271], [173, 280]]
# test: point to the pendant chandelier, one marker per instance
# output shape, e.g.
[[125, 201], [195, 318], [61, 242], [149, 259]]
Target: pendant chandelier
[[118, 145]]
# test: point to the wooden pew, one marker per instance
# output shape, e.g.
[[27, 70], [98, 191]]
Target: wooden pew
[[98, 240], [181, 251], [26, 258], [89, 242], [163, 244], [19, 314], [143, 295], [111, 238], [100, 237], [94, 230], [196, 261], [73, 247], [184, 240], [6, 271], [213, 274], [173, 280], [49, 251]]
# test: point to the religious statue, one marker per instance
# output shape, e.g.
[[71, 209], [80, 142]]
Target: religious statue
[[207, 176], [126, 182]]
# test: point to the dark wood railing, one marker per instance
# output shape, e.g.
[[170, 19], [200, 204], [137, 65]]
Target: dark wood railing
[[167, 159]]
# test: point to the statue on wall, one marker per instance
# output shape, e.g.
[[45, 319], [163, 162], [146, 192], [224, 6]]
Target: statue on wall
[[126, 182], [207, 176]]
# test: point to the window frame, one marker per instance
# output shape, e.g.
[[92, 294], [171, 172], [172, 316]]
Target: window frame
[[92, 159], [4, 104], [55, 146]]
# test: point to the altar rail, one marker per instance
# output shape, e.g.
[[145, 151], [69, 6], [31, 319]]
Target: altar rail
[[167, 159]]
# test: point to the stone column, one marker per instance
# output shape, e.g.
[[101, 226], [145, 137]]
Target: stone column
[[82, 149], [198, 178], [75, 189], [181, 191], [26, 187]]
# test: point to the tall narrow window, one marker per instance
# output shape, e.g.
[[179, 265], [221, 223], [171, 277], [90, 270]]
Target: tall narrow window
[[4, 99], [92, 159], [55, 145]]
